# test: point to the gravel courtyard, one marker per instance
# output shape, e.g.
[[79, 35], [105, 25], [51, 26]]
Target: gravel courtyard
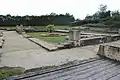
[[19, 51]]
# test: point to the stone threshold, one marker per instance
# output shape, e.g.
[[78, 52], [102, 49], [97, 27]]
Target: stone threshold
[[44, 44]]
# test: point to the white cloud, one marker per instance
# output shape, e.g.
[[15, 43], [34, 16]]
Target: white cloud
[[79, 8]]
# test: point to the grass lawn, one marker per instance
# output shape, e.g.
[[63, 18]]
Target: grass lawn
[[13, 27], [48, 39], [57, 27], [40, 27]]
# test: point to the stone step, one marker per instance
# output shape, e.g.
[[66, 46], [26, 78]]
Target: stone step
[[44, 44]]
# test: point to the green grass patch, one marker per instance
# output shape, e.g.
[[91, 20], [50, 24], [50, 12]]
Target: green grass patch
[[7, 72], [40, 27], [57, 27], [53, 39], [58, 39], [8, 27]]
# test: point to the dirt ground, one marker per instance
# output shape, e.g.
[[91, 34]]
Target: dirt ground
[[19, 51]]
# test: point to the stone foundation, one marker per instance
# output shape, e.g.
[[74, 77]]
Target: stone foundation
[[99, 39], [110, 51]]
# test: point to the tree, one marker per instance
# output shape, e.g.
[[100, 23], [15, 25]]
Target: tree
[[115, 13], [102, 8], [96, 16], [88, 17], [43, 20], [50, 28]]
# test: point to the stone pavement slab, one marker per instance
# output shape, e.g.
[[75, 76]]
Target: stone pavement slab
[[44, 44], [16, 42], [91, 69]]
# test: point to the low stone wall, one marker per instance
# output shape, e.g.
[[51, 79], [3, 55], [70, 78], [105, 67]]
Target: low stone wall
[[90, 41], [99, 39], [47, 69], [82, 42], [110, 51]]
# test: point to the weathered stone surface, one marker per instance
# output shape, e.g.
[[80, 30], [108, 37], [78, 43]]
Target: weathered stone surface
[[92, 69], [1, 39], [19, 51], [46, 45], [19, 29], [99, 39], [110, 51], [91, 41], [74, 35]]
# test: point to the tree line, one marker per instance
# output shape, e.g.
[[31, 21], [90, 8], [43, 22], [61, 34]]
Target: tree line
[[43, 20], [102, 16]]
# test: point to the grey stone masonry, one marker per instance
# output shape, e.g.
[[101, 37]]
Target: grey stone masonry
[[75, 36], [19, 29], [110, 51], [92, 69], [44, 44]]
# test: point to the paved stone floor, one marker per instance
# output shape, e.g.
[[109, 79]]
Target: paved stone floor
[[92, 69], [19, 51]]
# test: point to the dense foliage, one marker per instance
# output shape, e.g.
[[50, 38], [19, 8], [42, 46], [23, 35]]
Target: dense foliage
[[50, 28], [104, 17], [43, 20]]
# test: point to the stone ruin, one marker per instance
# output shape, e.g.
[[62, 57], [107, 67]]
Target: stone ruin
[[19, 29], [74, 37], [72, 40], [1, 39], [110, 50]]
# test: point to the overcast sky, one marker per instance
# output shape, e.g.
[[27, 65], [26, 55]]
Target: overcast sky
[[79, 8]]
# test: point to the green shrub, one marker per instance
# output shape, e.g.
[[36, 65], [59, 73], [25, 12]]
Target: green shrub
[[50, 28]]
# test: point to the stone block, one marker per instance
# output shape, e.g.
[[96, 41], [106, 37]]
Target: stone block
[[74, 35], [110, 51]]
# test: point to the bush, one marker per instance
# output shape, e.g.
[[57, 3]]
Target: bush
[[50, 28]]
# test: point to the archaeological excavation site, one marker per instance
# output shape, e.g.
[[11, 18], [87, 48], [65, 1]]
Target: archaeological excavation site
[[60, 40], [83, 55]]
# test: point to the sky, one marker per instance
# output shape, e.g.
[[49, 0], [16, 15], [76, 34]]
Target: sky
[[78, 8]]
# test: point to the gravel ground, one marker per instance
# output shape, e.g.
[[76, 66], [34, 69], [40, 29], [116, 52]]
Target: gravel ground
[[19, 51]]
